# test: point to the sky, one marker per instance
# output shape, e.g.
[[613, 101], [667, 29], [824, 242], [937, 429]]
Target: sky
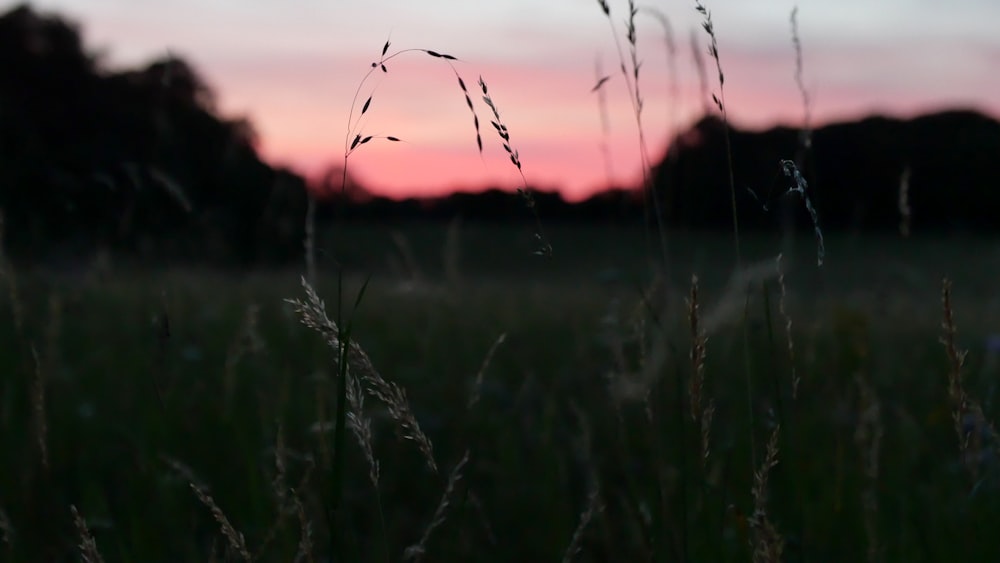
[[297, 69]]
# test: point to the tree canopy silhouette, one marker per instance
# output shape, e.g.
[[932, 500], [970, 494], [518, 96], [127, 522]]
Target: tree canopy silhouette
[[854, 171], [135, 161]]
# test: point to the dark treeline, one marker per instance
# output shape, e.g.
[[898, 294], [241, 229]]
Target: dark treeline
[[136, 162], [139, 163], [854, 172]]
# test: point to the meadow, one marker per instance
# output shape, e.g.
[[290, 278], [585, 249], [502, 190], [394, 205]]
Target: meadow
[[190, 415], [511, 391]]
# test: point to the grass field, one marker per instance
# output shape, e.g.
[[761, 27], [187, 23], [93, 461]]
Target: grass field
[[440, 393], [122, 392]]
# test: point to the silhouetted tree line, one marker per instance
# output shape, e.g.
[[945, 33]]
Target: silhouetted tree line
[[854, 172], [138, 162]]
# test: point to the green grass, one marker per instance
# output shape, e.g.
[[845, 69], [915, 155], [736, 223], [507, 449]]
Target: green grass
[[546, 425]]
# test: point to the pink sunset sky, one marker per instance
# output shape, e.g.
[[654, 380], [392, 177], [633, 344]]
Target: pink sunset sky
[[293, 68]]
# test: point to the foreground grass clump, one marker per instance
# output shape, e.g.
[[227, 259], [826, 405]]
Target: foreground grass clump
[[177, 415]]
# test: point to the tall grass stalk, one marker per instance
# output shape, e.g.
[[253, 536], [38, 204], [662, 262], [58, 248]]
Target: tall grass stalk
[[630, 73], [355, 137], [767, 544], [88, 547], [699, 66], [782, 304], [785, 411], [670, 49], [349, 393], [655, 394], [339, 429], [971, 424], [805, 150], [720, 102], [544, 247], [344, 333], [805, 134], [417, 551], [701, 413], [594, 506], [237, 542], [602, 108], [702, 407]]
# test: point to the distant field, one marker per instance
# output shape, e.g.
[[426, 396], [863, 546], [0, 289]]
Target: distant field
[[139, 384]]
